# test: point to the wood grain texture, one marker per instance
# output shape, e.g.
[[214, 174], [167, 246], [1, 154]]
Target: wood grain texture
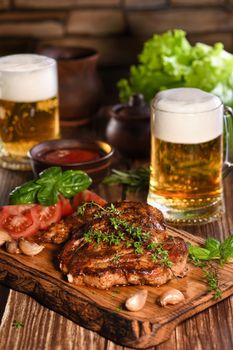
[[97, 309], [44, 329]]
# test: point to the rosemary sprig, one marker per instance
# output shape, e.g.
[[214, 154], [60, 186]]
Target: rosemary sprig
[[134, 180]]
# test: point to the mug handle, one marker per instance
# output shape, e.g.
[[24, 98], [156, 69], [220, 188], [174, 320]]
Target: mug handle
[[228, 124]]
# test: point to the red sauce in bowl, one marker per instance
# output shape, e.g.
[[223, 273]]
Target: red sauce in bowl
[[70, 155]]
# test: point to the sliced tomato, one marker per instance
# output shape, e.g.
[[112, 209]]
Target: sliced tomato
[[48, 215], [15, 209], [19, 220], [26, 220], [87, 196], [66, 207]]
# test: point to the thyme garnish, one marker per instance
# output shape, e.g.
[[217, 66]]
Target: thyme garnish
[[213, 250], [116, 258], [111, 209], [161, 255], [124, 232], [211, 276]]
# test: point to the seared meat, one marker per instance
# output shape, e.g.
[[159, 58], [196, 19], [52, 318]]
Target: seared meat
[[59, 232], [94, 260], [140, 214]]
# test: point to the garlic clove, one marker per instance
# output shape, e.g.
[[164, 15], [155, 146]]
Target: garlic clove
[[12, 247], [4, 237], [172, 296], [30, 248], [70, 278], [136, 301]]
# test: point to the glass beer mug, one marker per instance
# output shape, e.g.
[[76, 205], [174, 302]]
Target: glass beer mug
[[28, 106], [187, 155]]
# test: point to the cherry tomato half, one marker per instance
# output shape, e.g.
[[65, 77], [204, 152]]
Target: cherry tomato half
[[87, 196], [66, 207]]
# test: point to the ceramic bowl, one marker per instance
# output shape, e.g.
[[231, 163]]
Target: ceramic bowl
[[96, 168]]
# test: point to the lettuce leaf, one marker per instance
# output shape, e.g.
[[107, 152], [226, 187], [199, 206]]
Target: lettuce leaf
[[169, 60]]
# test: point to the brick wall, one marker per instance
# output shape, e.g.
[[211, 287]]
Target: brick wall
[[116, 28]]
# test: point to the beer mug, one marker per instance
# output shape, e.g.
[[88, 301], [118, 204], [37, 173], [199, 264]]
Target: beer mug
[[28, 106], [187, 155]]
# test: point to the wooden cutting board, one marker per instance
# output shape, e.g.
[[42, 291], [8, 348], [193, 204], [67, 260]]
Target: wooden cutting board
[[100, 310]]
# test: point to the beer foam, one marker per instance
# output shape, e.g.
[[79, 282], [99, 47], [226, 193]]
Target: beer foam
[[27, 78], [186, 115]]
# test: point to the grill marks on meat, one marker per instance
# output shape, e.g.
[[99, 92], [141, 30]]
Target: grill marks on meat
[[59, 232], [149, 218], [138, 214], [96, 266], [103, 265]]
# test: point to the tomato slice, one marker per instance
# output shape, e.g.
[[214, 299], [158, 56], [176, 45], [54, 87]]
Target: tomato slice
[[14, 209], [87, 196], [66, 207], [26, 220], [19, 220], [48, 215]]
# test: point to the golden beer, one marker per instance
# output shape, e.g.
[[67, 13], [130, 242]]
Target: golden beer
[[28, 106], [187, 158]]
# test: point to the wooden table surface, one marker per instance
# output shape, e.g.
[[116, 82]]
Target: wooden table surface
[[45, 329]]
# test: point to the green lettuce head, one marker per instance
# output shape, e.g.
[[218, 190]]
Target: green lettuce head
[[169, 60]]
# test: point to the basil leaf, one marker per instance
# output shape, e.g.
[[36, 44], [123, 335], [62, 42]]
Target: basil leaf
[[226, 248], [51, 172], [49, 175], [213, 245], [48, 195], [51, 182], [73, 182], [198, 252], [25, 194]]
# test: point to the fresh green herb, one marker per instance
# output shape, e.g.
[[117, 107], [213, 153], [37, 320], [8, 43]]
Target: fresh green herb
[[213, 250], [213, 283], [134, 180], [109, 210], [49, 185], [226, 250], [116, 258], [17, 324], [81, 209], [199, 253], [162, 256], [125, 233]]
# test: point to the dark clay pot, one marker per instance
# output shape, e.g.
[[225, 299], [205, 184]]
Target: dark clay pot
[[80, 88], [128, 129]]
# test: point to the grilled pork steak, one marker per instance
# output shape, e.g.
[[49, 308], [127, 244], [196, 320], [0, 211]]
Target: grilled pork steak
[[122, 244], [59, 232]]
